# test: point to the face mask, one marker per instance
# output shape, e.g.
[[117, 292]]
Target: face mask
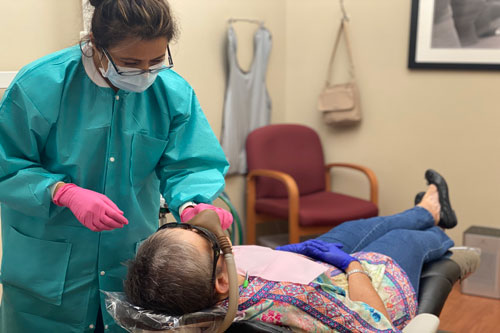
[[135, 83]]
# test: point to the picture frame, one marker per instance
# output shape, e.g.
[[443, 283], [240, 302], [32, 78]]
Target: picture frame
[[454, 34]]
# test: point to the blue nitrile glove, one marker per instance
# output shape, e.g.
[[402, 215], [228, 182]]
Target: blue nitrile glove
[[299, 248], [330, 253]]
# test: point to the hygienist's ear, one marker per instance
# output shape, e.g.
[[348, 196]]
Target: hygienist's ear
[[92, 40], [222, 278], [94, 48]]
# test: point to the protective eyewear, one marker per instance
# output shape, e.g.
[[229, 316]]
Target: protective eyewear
[[208, 235], [140, 71]]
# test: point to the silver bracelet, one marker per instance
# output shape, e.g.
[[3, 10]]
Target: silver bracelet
[[357, 271]]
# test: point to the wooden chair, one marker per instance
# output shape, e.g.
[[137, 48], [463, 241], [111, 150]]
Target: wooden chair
[[288, 180]]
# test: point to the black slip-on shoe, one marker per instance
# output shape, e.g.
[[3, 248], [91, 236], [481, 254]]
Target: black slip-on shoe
[[419, 197], [447, 217]]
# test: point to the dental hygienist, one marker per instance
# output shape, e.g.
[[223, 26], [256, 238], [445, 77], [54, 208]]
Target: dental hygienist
[[89, 138]]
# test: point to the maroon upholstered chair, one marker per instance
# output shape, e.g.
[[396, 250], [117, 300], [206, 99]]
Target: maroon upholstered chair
[[288, 180]]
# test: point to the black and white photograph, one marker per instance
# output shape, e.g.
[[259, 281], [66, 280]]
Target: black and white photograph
[[455, 34]]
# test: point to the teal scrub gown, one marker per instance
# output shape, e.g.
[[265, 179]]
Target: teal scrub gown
[[56, 124]]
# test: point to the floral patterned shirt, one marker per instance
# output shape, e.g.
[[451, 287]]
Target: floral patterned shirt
[[324, 304]]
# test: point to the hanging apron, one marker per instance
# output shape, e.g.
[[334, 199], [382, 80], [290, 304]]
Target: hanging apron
[[247, 105]]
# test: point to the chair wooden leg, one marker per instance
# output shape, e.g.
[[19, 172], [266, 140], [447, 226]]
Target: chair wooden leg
[[251, 226], [293, 217], [293, 229], [251, 222]]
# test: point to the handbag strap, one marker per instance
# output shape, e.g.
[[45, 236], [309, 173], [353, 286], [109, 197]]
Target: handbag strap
[[344, 27]]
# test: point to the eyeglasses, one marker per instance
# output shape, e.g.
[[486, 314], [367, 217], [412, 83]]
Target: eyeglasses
[[208, 235], [140, 71]]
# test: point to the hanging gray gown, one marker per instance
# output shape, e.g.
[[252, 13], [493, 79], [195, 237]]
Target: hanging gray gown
[[247, 105]]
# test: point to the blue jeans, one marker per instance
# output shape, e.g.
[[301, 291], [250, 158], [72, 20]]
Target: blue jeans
[[410, 238]]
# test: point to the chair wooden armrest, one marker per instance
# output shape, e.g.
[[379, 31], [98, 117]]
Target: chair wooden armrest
[[293, 200], [372, 178]]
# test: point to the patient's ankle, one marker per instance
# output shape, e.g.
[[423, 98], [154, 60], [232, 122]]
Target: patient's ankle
[[430, 202]]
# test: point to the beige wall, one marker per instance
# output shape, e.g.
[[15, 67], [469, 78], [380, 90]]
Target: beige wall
[[50, 25], [32, 28], [412, 119], [199, 55]]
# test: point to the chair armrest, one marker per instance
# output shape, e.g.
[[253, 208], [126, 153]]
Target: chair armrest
[[286, 179], [293, 201], [372, 178], [436, 282], [422, 323]]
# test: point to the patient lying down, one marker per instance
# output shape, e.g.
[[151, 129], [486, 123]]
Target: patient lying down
[[369, 285]]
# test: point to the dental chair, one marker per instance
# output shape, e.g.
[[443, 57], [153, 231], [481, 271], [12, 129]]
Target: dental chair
[[437, 280]]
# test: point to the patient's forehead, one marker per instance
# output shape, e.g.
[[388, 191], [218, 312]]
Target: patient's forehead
[[191, 237]]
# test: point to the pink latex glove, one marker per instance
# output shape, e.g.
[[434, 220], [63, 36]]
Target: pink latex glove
[[94, 210], [225, 217]]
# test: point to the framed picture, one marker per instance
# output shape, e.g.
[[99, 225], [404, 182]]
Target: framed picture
[[455, 34]]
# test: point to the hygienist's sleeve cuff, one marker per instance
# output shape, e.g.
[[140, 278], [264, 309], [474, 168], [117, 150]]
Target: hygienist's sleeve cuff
[[53, 188], [186, 205]]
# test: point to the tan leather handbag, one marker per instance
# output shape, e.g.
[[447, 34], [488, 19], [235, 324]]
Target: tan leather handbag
[[340, 103]]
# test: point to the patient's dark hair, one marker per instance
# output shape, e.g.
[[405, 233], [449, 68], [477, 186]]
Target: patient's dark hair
[[169, 275]]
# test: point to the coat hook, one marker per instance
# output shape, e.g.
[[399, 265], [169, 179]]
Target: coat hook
[[343, 11]]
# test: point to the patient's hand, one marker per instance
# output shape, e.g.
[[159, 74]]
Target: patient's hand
[[295, 248], [330, 253], [361, 289]]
